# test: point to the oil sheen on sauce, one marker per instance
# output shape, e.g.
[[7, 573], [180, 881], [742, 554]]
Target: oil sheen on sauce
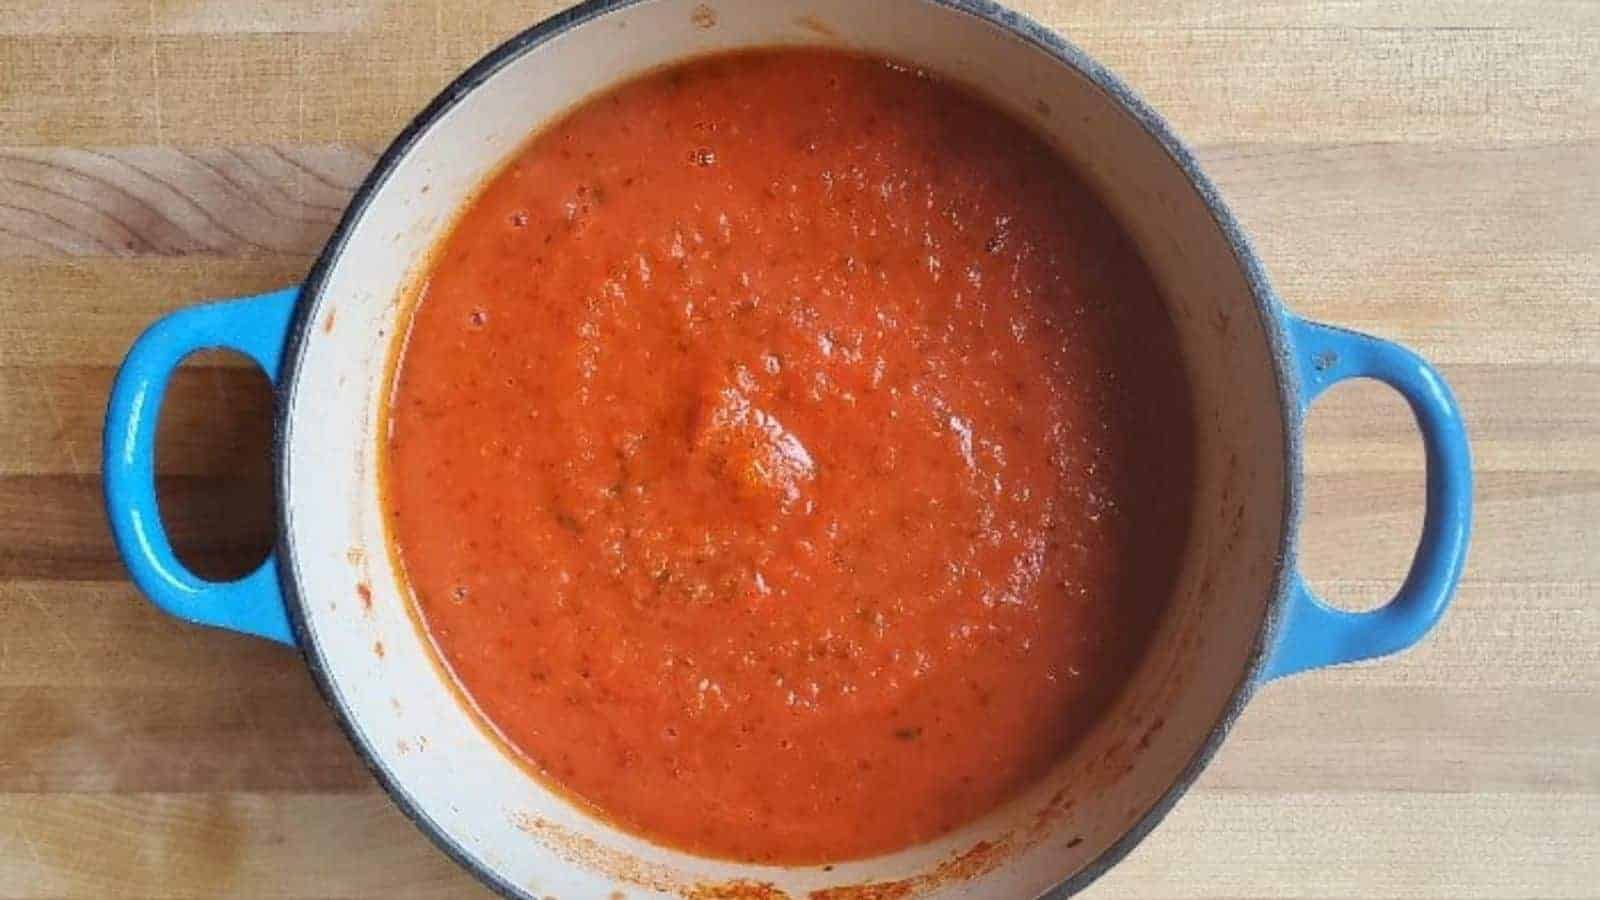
[[789, 456]]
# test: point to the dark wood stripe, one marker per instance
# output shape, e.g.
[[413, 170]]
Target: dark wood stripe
[[216, 420], [54, 526]]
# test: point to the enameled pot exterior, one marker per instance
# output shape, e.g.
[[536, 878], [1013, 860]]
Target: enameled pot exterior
[[1241, 613]]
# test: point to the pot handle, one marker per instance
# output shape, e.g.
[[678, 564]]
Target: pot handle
[[1314, 634], [255, 326]]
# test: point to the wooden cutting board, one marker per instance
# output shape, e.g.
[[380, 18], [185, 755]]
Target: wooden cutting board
[[1428, 170]]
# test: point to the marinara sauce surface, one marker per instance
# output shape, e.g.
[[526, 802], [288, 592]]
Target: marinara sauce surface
[[789, 456]]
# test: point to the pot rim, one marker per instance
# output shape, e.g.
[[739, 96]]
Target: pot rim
[[1269, 309]]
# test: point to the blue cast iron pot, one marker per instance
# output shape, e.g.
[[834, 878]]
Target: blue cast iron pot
[[1241, 614]]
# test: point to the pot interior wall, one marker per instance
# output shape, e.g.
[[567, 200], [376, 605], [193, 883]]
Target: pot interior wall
[[376, 664]]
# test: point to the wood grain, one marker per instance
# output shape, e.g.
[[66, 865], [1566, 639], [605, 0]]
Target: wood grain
[[162, 201], [1212, 847], [1470, 85], [86, 312], [1428, 170], [121, 17]]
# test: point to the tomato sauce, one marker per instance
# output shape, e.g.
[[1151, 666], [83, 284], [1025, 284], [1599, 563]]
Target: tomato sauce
[[789, 456]]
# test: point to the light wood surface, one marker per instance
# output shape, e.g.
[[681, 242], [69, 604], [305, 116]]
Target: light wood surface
[[1428, 170]]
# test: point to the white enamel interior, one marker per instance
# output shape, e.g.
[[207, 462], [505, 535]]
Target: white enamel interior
[[490, 808]]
